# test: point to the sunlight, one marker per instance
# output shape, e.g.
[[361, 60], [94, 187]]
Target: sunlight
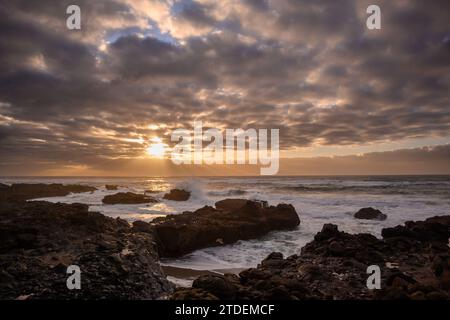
[[156, 150]]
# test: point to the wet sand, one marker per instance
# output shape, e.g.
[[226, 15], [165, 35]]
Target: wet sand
[[184, 276]]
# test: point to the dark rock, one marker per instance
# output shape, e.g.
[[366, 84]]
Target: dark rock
[[141, 226], [432, 229], [177, 195], [437, 295], [230, 204], [418, 295], [5, 277], [217, 285], [370, 214], [235, 204], [393, 294], [334, 265], [192, 294], [400, 279], [183, 233], [128, 198], [22, 192], [39, 240], [274, 260], [274, 256], [336, 248], [111, 187], [328, 231]]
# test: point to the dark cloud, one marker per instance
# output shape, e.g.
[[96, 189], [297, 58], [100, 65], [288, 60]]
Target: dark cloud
[[197, 14], [310, 68], [418, 161]]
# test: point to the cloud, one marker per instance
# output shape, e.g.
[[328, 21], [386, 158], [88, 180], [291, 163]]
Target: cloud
[[310, 68]]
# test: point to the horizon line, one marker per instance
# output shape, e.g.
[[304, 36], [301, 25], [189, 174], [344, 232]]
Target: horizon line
[[231, 176]]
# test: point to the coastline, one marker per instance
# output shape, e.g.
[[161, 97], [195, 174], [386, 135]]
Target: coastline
[[44, 238]]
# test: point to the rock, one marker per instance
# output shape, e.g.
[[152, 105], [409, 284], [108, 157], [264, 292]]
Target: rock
[[217, 285], [274, 260], [235, 204], [328, 231], [334, 266], [177, 195], [191, 294], [336, 249], [141, 226], [111, 187], [39, 240], [432, 229], [22, 192], [399, 279], [274, 256], [230, 204], [5, 277], [437, 295], [128, 198], [183, 233], [370, 214], [418, 295]]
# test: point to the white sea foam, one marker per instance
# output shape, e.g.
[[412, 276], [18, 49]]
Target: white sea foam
[[318, 200]]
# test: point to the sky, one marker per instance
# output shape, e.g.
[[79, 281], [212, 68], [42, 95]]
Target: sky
[[346, 99]]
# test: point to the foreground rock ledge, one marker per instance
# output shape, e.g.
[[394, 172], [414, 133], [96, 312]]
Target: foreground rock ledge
[[39, 240], [414, 261], [230, 221]]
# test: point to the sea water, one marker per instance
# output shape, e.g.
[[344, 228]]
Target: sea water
[[318, 200]]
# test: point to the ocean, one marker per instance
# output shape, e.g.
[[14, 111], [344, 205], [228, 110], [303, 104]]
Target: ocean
[[318, 200]]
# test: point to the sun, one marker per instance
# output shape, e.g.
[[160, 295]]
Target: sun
[[156, 150]]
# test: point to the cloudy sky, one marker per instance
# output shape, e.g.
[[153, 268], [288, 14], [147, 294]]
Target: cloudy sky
[[347, 100]]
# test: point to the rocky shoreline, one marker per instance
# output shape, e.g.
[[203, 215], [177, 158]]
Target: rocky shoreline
[[231, 220], [39, 240], [22, 192], [118, 260], [414, 261]]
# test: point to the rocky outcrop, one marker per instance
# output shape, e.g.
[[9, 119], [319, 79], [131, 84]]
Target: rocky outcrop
[[370, 214], [128, 198], [235, 204], [208, 226], [432, 229], [414, 262], [111, 187], [39, 240], [21, 191], [177, 195]]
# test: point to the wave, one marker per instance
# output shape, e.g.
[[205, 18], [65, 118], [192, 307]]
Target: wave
[[225, 193], [405, 189], [195, 186]]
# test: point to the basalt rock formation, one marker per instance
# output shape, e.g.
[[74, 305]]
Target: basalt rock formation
[[177, 195], [39, 240], [414, 262], [225, 224], [128, 198], [22, 191], [370, 214]]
